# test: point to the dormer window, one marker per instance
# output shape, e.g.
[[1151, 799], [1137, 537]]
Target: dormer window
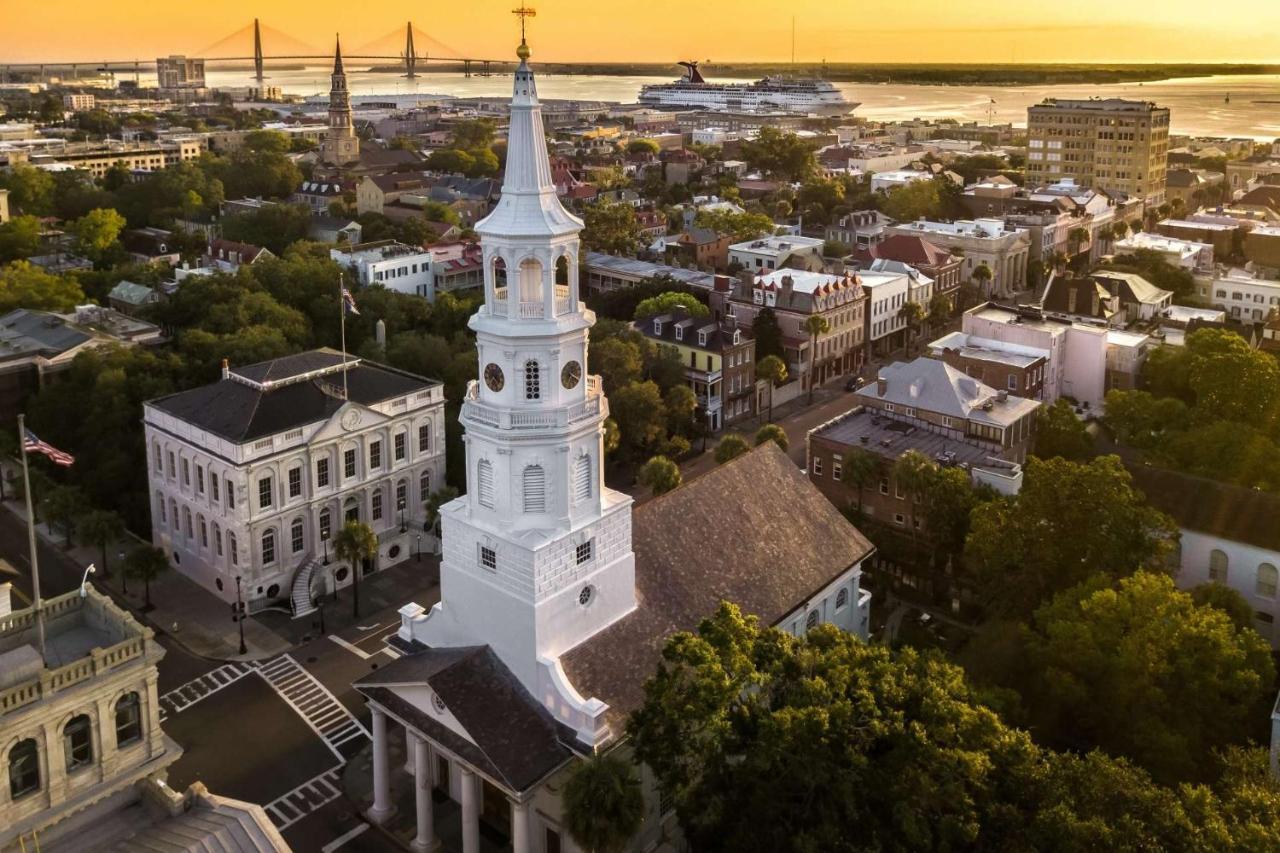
[[737, 337], [679, 333], [657, 327], [702, 339]]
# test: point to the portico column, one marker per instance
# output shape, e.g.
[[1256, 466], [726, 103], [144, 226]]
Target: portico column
[[409, 757], [426, 839], [382, 807], [519, 827], [470, 812]]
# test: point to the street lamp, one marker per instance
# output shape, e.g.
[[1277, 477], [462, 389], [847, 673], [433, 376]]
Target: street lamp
[[400, 506], [240, 616], [84, 581], [124, 575], [417, 548], [324, 539]]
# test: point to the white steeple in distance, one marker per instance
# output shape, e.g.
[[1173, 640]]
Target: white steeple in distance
[[537, 554]]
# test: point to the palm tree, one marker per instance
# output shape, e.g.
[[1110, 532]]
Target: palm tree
[[355, 543], [774, 370], [860, 467], [913, 314], [774, 433], [814, 324], [1058, 260], [1078, 237], [981, 275], [1119, 230], [100, 527], [146, 563], [603, 805], [939, 310]]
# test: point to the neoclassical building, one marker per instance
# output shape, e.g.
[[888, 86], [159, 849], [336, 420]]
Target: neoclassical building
[[253, 475], [556, 598], [341, 146]]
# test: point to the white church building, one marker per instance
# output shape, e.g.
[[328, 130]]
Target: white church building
[[556, 594], [253, 475]]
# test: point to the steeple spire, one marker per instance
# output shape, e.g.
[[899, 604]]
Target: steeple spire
[[522, 13], [337, 54]]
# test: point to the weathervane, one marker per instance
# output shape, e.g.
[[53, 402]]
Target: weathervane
[[522, 13]]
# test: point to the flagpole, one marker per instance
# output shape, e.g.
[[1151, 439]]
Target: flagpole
[[31, 537], [342, 312]]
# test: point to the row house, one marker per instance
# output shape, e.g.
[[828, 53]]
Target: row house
[[718, 359], [253, 475]]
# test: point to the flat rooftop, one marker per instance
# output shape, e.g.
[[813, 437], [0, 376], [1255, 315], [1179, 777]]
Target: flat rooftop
[[635, 268], [786, 243], [890, 438], [983, 349]]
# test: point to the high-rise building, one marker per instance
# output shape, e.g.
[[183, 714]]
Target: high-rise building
[[341, 145], [179, 72], [1112, 145]]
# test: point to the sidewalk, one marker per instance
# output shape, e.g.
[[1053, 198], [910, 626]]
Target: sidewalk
[[191, 616]]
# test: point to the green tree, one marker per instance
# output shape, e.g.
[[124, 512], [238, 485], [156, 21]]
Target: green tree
[[355, 543], [475, 133], [274, 227], [97, 233], [780, 155], [981, 276], [1069, 522], [861, 468], [767, 334], [774, 371], [617, 362], [1226, 599], [1113, 660], [740, 226], [145, 563], [603, 804], [62, 505], [731, 446], [267, 140], [1060, 433], [451, 160], [912, 313], [25, 286], [30, 189], [939, 310], [680, 404], [19, 238], [774, 433], [1142, 419], [665, 303], [641, 416], [612, 228], [913, 201], [100, 527], [815, 325], [660, 475], [642, 146], [435, 501]]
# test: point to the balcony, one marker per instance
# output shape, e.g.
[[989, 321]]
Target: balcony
[[536, 310], [502, 417]]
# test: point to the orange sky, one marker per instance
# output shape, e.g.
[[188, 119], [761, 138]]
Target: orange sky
[[666, 30]]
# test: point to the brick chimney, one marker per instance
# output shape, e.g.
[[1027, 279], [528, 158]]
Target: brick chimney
[[882, 386], [722, 283]]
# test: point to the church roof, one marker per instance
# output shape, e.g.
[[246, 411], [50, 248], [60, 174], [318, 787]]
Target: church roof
[[513, 739], [721, 537]]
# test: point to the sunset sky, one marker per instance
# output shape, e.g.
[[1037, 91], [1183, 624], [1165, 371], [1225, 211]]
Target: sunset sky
[[666, 30]]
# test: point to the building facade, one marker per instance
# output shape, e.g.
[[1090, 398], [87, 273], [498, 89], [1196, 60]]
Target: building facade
[[718, 359], [395, 266], [1110, 144], [1003, 249], [252, 476], [341, 146]]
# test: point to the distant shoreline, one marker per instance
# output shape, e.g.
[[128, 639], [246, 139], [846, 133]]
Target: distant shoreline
[[924, 75]]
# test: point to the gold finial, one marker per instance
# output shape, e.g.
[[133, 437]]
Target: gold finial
[[522, 13]]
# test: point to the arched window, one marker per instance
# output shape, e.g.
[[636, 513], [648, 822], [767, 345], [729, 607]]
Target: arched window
[[562, 270], [530, 281], [532, 380], [1267, 580], [326, 524], [842, 598], [534, 489], [424, 487], [164, 516], [77, 742], [295, 536], [582, 478], [231, 548], [268, 547], [402, 494], [811, 621], [484, 483], [159, 461], [204, 532], [173, 512], [24, 768], [128, 719], [217, 539], [186, 522], [1218, 566]]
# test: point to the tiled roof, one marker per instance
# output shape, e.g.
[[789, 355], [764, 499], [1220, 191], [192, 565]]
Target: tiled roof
[[910, 249], [753, 531], [1219, 509], [513, 738]]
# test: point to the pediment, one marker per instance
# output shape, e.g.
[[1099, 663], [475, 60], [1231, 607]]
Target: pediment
[[350, 419]]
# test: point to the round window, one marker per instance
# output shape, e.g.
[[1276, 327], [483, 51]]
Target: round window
[[341, 574], [493, 377], [273, 590], [393, 551], [437, 703], [571, 374], [584, 597]]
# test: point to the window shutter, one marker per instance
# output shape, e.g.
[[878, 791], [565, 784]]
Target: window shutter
[[582, 478], [535, 495], [484, 483]]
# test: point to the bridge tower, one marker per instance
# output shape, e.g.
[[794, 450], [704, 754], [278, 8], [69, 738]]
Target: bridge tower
[[410, 57], [257, 52]]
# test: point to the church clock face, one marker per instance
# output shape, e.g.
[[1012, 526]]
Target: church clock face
[[571, 375], [493, 377]]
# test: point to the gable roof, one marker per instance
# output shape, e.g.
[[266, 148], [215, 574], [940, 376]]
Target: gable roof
[[753, 531], [130, 293], [1207, 506], [516, 742], [1091, 298], [911, 249], [1133, 287]]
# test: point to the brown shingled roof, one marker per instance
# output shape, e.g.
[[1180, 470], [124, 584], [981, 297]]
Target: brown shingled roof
[[753, 531], [1206, 506]]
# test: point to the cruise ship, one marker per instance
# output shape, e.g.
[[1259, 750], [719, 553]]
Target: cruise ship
[[772, 94]]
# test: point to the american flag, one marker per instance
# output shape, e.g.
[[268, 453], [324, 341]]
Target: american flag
[[349, 302], [32, 444]]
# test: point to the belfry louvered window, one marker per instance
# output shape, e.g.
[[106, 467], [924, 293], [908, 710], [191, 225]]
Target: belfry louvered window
[[484, 483], [582, 478], [532, 380], [535, 489]]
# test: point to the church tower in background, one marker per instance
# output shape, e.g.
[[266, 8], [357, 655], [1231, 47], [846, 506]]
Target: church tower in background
[[341, 145]]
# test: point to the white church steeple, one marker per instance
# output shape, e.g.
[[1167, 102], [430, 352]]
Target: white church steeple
[[537, 554]]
